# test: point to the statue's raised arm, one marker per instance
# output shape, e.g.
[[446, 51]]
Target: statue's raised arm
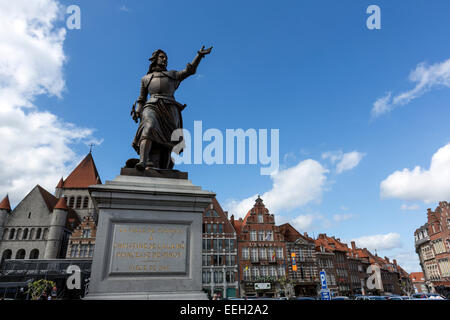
[[191, 68]]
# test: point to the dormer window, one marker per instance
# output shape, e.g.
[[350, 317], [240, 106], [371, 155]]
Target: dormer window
[[260, 218]]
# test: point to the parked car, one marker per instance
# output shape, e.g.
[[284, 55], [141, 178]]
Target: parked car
[[427, 296], [394, 298], [303, 298], [340, 298]]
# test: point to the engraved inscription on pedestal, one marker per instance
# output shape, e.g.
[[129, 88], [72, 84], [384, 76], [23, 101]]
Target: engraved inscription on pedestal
[[149, 249]]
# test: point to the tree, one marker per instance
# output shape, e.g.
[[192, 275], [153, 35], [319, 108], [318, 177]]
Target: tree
[[288, 287], [37, 288]]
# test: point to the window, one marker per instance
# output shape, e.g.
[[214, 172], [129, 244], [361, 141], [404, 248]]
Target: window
[[38, 233], [218, 276], [6, 254], [204, 244], [45, 233], [206, 277], [5, 234], [71, 202], [260, 218], [260, 235], [208, 244], [232, 245], [83, 250], [269, 235], [86, 233], [281, 271], [220, 228], [230, 277], [220, 245], [208, 228], [255, 272], [20, 254], [12, 233], [253, 235], [245, 253], [262, 253], [91, 250], [214, 227], [272, 253], [85, 202], [78, 202], [246, 273], [254, 254], [280, 253], [25, 233], [34, 254], [264, 271], [216, 244]]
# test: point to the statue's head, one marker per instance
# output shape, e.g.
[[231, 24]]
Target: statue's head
[[158, 60]]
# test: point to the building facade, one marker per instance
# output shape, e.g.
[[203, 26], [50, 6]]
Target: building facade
[[432, 242], [219, 253], [302, 261], [261, 253]]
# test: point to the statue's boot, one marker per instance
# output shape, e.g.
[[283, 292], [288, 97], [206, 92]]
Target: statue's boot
[[144, 152]]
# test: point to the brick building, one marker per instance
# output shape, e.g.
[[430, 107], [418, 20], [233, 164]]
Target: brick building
[[418, 280], [219, 253], [432, 242], [301, 257], [325, 260], [261, 252]]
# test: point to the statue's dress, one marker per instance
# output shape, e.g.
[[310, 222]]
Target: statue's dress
[[161, 114]]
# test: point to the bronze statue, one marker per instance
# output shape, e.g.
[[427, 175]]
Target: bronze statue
[[161, 114]]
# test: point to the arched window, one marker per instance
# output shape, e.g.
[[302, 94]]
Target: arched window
[[12, 234], [32, 233], [5, 234], [71, 201], [20, 254], [6, 254], [25, 234], [34, 254], [78, 202], [38, 233], [19, 234], [85, 202], [45, 233]]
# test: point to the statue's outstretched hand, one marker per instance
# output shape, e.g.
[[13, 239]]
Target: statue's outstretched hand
[[204, 51]]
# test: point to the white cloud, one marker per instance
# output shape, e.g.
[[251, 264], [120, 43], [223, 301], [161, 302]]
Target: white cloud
[[342, 217], [408, 260], [344, 161], [34, 144], [303, 222], [410, 207], [421, 184], [124, 8], [292, 188], [379, 241], [425, 76]]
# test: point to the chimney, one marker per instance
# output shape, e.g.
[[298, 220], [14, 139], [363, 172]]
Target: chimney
[[226, 213], [305, 234], [353, 245], [231, 218]]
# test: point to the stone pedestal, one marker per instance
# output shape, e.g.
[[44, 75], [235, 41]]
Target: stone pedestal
[[149, 239]]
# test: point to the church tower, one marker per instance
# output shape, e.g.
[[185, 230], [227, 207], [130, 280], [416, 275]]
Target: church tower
[[5, 209]]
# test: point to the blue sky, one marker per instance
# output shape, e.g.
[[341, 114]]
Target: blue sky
[[311, 69]]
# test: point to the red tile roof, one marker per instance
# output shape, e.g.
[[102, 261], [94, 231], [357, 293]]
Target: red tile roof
[[5, 205], [49, 199], [83, 176], [61, 204]]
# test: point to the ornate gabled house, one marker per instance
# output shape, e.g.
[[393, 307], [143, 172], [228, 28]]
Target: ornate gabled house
[[219, 253], [301, 257], [262, 252]]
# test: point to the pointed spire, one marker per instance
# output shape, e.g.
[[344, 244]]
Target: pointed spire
[[5, 205], [60, 183], [61, 204], [84, 175]]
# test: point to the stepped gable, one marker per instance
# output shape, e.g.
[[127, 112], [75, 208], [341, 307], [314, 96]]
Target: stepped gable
[[5, 205], [83, 176]]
